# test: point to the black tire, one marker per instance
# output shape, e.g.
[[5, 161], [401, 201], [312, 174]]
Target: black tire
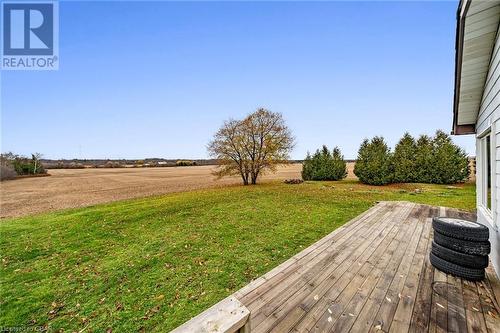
[[471, 274], [462, 229], [463, 246], [462, 259]]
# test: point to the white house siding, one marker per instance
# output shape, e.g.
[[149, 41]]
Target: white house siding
[[489, 121]]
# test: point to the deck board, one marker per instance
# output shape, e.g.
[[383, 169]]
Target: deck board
[[423, 300], [406, 299]]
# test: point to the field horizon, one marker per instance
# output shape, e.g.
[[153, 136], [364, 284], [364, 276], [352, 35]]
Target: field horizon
[[75, 188]]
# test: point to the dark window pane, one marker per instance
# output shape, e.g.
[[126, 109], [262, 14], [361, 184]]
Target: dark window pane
[[488, 172]]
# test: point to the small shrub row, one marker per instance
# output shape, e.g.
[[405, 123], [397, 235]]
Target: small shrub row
[[324, 165], [293, 181], [426, 160], [111, 164], [185, 163], [64, 165]]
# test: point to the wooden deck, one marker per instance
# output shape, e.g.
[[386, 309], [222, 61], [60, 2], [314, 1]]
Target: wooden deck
[[372, 274]]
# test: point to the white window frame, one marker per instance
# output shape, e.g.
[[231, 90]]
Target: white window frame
[[482, 178]]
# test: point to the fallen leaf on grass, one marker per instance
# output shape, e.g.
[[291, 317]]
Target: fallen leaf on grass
[[151, 312], [56, 307]]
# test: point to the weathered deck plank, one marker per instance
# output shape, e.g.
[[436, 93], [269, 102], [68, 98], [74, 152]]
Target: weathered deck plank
[[439, 311], [473, 310], [490, 312], [456, 309], [423, 300]]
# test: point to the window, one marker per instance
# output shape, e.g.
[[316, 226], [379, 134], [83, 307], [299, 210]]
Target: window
[[488, 172], [485, 169]]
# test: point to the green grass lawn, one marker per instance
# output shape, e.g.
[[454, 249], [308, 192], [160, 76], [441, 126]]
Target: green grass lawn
[[151, 264]]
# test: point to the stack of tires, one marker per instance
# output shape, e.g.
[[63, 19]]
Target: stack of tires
[[460, 247]]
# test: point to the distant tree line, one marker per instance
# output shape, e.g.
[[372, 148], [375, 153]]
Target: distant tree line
[[121, 163], [13, 165]]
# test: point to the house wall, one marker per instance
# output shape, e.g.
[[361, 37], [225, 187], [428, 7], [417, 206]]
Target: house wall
[[488, 121]]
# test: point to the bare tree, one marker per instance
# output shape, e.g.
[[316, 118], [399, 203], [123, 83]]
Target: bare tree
[[252, 146], [36, 161]]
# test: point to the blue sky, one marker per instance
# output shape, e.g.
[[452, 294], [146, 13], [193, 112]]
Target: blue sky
[[156, 79]]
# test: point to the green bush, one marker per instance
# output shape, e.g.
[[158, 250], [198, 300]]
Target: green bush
[[307, 168], [424, 160], [374, 163], [404, 160], [450, 162], [339, 167], [324, 165]]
